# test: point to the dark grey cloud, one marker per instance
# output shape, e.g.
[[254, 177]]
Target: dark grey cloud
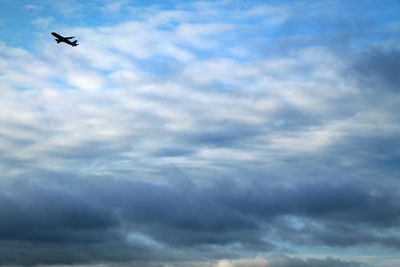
[[94, 219], [226, 134], [53, 215], [379, 68], [61, 253], [173, 151], [371, 153], [88, 150]]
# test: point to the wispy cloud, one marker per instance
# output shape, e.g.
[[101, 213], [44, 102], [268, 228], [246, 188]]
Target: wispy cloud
[[113, 7], [32, 7], [68, 8], [42, 22]]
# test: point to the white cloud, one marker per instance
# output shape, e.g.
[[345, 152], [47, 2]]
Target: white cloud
[[68, 8], [101, 91], [113, 7], [42, 22], [272, 15], [198, 34], [85, 81]]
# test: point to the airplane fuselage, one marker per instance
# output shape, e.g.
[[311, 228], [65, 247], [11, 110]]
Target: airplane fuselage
[[66, 40]]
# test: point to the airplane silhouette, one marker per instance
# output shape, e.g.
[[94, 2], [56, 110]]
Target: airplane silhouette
[[66, 40]]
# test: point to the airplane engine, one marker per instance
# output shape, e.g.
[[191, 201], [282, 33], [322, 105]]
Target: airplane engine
[[58, 41]]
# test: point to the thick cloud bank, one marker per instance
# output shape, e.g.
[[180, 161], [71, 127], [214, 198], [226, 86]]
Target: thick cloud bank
[[75, 219]]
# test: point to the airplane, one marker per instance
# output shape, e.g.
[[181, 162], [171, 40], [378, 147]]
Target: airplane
[[66, 40]]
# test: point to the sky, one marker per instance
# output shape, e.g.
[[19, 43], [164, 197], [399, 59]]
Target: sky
[[200, 133]]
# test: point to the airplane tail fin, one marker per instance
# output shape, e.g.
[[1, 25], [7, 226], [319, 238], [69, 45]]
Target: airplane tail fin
[[75, 43]]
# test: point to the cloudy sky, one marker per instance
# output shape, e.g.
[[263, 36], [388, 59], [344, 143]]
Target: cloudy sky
[[200, 134]]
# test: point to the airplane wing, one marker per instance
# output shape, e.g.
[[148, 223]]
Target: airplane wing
[[69, 37]]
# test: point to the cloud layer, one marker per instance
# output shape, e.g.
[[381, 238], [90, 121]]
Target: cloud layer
[[113, 218], [182, 137]]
